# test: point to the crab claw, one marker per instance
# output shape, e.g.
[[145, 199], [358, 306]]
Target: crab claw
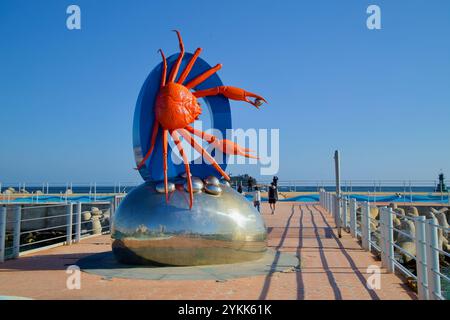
[[233, 93], [241, 94], [229, 147], [257, 102]]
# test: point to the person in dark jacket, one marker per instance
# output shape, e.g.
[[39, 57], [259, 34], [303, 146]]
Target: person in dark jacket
[[275, 181], [239, 189], [273, 196]]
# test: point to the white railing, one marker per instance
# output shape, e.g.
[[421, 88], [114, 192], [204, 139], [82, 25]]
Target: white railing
[[405, 187], [55, 188], [72, 230], [428, 275]]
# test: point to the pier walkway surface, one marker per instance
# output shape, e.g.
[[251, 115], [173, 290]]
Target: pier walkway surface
[[331, 268]]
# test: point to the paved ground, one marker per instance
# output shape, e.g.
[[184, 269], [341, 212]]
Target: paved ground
[[331, 268]]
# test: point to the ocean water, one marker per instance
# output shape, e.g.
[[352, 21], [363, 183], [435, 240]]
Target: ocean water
[[281, 188], [76, 189], [370, 198], [400, 197]]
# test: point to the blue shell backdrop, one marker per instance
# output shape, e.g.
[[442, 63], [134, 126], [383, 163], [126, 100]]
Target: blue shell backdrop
[[219, 107]]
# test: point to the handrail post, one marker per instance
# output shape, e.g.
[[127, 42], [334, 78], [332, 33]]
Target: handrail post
[[365, 226], [390, 240], [16, 230], [333, 208], [421, 263], [112, 211], [383, 236], [353, 224], [434, 279], [344, 212], [321, 198], [337, 213], [2, 233], [69, 217], [329, 202], [78, 226]]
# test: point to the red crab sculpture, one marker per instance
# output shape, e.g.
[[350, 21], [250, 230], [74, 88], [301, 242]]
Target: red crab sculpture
[[176, 107]]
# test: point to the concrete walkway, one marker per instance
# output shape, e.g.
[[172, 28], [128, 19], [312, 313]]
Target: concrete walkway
[[331, 268]]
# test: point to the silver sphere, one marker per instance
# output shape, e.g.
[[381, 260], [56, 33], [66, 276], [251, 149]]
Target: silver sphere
[[212, 180], [213, 189], [197, 185], [225, 182], [160, 187], [217, 230]]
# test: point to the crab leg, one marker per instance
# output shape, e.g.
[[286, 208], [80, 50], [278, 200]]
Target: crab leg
[[205, 75], [176, 139], [189, 66], [165, 143], [229, 147], [232, 93], [152, 144], [203, 152], [164, 71], [226, 146], [176, 66], [205, 136]]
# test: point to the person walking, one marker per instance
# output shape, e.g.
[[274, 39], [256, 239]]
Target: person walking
[[239, 189], [273, 196], [275, 181], [257, 199]]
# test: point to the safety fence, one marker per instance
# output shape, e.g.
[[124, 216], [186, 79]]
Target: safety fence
[[404, 187], [44, 188], [29, 228], [379, 235]]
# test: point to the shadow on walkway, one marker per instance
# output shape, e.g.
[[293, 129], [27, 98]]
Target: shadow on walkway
[[352, 263], [323, 258], [268, 278]]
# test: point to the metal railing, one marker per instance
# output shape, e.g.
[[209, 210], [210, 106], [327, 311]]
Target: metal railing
[[428, 274], [373, 186], [63, 228], [405, 187]]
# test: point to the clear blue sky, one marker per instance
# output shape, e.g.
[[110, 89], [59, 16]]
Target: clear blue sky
[[382, 97]]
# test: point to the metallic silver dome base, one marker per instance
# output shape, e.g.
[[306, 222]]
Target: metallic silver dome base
[[217, 230]]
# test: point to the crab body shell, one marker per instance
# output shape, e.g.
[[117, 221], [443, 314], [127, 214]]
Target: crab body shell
[[176, 106]]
